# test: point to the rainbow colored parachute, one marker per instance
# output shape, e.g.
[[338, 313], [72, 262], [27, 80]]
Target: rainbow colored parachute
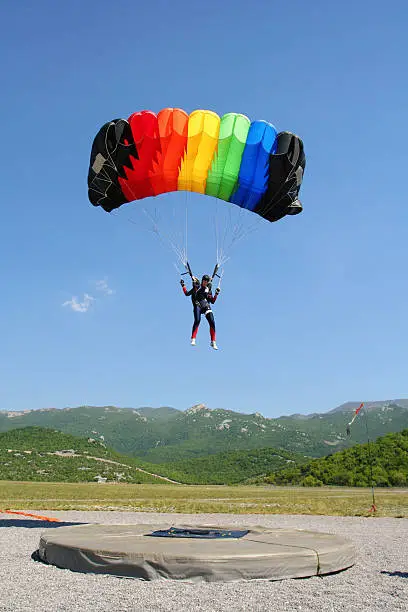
[[231, 158]]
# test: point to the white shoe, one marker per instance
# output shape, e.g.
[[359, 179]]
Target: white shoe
[[213, 344], [193, 341]]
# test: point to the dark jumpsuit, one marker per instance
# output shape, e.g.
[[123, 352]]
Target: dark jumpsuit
[[201, 298]]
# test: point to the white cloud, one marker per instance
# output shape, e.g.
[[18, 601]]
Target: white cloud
[[84, 305], [80, 306], [102, 285]]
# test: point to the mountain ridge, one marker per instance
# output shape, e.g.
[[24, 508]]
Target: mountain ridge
[[165, 434], [348, 406]]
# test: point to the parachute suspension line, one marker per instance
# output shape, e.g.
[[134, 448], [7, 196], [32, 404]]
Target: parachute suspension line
[[181, 225], [179, 235], [231, 229], [221, 256], [170, 243], [186, 236], [154, 230], [216, 232], [239, 232]]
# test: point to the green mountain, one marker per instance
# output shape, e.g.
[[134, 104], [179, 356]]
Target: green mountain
[[162, 435], [38, 454], [351, 467], [229, 467]]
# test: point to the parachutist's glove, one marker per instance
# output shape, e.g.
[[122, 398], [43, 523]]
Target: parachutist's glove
[[217, 291], [182, 283]]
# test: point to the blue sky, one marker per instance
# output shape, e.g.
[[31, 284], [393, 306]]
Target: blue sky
[[313, 309]]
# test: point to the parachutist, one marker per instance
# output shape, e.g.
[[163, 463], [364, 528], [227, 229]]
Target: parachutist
[[246, 163], [201, 297]]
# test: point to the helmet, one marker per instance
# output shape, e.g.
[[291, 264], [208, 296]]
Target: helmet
[[206, 278]]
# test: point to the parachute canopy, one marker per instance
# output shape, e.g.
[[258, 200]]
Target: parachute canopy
[[231, 158]]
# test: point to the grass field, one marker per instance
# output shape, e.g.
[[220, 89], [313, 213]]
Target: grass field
[[202, 499]]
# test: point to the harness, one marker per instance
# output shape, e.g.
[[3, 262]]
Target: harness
[[201, 300]]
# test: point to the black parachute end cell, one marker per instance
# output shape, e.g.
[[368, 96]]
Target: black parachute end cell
[[286, 170], [112, 150]]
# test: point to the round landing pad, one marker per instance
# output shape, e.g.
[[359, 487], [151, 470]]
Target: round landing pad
[[196, 554]]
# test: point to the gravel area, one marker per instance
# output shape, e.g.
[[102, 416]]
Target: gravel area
[[378, 581]]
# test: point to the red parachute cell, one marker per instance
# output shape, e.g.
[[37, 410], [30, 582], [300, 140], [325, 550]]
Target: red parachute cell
[[145, 132]]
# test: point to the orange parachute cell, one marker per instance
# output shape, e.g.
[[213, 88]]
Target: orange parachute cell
[[173, 130]]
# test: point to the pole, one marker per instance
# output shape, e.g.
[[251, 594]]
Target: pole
[[373, 506]]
